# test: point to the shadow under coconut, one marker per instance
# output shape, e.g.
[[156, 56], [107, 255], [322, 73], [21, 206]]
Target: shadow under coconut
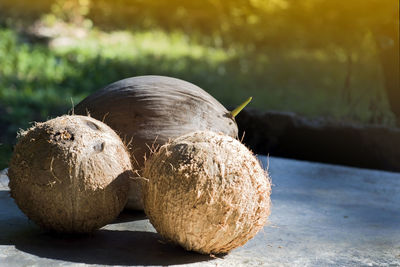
[[105, 247]]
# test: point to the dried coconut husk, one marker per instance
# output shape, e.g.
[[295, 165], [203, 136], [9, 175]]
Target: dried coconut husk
[[206, 192], [70, 174], [150, 110]]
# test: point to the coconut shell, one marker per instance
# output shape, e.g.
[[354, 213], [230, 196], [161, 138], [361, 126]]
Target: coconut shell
[[147, 111], [70, 174], [206, 192]]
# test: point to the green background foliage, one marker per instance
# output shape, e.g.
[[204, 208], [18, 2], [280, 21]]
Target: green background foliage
[[318, 58]]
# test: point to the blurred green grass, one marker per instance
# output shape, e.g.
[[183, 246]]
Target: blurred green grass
[[40, 80]]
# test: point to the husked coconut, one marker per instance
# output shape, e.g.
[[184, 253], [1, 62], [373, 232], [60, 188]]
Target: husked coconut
[[206, 192], [70, 174], [150, 110]]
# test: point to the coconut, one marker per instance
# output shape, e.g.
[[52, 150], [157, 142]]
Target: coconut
[[206, 192], [150, 110], [70, 174]]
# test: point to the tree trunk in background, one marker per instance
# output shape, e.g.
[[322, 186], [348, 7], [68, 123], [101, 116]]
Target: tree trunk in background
[[387, 40]]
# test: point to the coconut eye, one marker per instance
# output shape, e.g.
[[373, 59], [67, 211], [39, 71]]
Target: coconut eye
[[99, 147], [92, 125]]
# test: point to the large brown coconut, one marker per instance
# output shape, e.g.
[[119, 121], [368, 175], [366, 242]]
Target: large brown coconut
[[206, 192], [150, 110], [70, 174]]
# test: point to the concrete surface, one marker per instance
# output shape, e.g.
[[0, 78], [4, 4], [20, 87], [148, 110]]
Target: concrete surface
[[323, 215]]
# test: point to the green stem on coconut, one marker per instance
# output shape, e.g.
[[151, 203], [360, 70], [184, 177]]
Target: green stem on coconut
[[237, 110]]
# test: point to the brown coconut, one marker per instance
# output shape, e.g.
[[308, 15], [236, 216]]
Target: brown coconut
[[150, 110], [70, 174], [206, 192]]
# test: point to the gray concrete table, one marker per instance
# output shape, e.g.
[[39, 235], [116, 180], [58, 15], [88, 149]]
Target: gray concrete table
[[322, 215]]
